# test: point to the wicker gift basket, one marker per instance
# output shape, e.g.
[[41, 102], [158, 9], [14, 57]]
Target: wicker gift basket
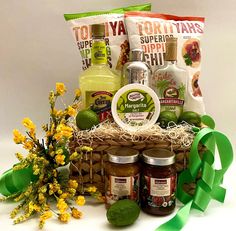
[[89, 170]]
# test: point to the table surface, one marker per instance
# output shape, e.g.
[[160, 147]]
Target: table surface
[[216, 217]]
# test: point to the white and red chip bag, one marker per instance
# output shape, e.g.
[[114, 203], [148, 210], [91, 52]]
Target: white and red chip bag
[[115, 33], [149, 31]]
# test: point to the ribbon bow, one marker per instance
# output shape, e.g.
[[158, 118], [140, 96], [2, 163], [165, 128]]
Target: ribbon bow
[[208, 186], [15, 181]]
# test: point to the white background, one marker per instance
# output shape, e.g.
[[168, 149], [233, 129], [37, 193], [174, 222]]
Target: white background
[[37, 50]]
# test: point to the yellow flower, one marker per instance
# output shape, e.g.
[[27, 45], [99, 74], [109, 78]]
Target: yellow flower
[[43, 189], [80, 200], [41, 198], [71, 111], [74, 156], [59, 113], [45, 127], [32, 134], [52, 98], [59, 151], [54, 187], [92, 189], [58, 136], [77, 93], [27, 122], [53, 112], [73, 184], [55, 173], [19, 156], [56, 112], [29, 145], [36, 172], [33, 207], [63, 131], [60, 159], [64, 217], [46, 215], [60, 88], [48, 133], [63, 127], [36, 169], [62, 205], [76, 213], [64, 195], [18, 137], [86, 148], [72, 191], [59, 191]]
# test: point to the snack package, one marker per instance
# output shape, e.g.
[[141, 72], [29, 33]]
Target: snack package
[[116, 34], [149, 31]]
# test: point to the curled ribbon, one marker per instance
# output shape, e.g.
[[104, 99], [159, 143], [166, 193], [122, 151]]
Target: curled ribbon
[[208, 186]]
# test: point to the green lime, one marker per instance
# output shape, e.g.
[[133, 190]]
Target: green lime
[[123, 212], [165, 117], [191, 117], [86, 119]]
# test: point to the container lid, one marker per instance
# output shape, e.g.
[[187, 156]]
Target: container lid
[[135, 107], [171, 49], [98, 30], [158, 156], [137, 55], [123, 155]]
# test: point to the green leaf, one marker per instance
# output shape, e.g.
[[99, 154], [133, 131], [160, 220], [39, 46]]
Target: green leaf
[[188, 60], [162, 85]]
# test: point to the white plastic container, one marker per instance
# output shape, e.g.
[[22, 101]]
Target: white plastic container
[[135, 107]]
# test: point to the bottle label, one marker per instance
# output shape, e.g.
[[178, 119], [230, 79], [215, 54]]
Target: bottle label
[[170, 92], [100, 102], [160, 187], [122, 188], [99, 53], [158, 192]]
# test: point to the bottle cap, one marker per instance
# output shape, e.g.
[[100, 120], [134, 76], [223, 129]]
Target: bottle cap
[[123, 155], [171, 49], [158, 156], [137, 55], [98, 30]]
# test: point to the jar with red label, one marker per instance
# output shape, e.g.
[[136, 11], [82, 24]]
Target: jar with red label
[[122, 179], [158, 182]]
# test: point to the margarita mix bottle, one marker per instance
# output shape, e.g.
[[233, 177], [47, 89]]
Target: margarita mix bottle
[[98, 83]]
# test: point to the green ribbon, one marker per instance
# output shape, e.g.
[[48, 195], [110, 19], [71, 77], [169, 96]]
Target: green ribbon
[[208, 186], [15, 181]]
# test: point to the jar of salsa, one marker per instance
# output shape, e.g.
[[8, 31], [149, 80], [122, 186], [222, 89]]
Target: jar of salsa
[[158, 182], [122, 175]]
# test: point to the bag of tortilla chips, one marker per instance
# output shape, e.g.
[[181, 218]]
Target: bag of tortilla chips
[[116, 34], [149, 31]]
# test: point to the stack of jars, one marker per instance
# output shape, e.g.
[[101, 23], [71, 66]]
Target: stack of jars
[[149, 178]]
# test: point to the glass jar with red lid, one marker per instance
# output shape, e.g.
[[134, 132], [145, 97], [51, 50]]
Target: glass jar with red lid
[[158, 182]]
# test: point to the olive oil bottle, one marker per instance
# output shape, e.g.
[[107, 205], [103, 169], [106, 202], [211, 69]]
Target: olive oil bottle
[[98, 83]]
